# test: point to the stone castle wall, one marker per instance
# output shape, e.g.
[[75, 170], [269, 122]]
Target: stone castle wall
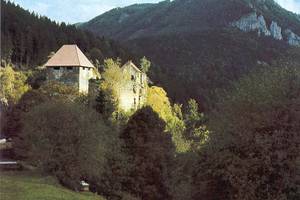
[[74, 76], [133, 94]]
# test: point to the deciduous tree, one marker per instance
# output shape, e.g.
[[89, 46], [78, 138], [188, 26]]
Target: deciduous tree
[[150, 152]]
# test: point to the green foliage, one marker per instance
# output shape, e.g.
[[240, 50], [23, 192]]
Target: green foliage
[[158, 100], [182, 175], [196, 131], [66, 141], [113, 77], [12, 85], [254, 144], [57, 90], [145, 64], [106, 103], [37, 77], [49, 92], [13, 126], [96, 54], [113, 81], [150, 151]]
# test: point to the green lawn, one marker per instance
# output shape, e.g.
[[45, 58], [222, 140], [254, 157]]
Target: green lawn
[[22, 185]]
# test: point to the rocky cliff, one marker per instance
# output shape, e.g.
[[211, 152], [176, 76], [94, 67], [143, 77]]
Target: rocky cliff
[[292, 38], [253, 22]]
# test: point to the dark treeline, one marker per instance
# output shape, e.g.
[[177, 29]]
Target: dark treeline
[[27, 38]]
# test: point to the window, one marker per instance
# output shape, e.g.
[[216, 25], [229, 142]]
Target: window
[[132, 77], [70, 68], [134, 89], [56, 68], [134, 101], [83, 68]]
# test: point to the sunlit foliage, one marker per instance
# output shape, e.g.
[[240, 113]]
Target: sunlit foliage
[[12, 85]]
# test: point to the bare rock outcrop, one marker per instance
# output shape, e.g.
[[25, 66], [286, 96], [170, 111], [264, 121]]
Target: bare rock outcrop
[[275, 31], [292, 38], [252, 22]]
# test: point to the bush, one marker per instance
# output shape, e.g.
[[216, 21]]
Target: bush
[[52, 91], [67, 140]]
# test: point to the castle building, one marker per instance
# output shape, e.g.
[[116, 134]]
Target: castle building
[[133, 95], [70, 66]]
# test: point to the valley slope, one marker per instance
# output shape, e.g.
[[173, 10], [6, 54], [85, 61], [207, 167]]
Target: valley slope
[[194, 45]]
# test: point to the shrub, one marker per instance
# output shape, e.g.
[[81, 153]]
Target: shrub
[[52, 91], [67, 140]]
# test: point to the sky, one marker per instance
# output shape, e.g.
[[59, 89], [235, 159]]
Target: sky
[[73, 11]]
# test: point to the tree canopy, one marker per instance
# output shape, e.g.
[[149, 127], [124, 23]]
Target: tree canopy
[[12, 85], [254, 144], [66, 141], [150, 152]]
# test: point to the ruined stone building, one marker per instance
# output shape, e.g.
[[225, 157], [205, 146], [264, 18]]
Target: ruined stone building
[[70, 66], [133, 94]]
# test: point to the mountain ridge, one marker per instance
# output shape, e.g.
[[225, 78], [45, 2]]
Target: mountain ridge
[[195, 46], [182, 16]]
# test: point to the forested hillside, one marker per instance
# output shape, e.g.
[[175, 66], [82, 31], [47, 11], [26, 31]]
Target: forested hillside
[[195, 50], [27, 38], [184, 16]]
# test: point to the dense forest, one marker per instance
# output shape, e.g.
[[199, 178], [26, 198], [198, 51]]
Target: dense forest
[[27, 39], [194, 51], [201, 64]]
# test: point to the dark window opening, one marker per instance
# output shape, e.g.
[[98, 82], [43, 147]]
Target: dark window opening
[[83, 68], [134, 89], [132, 77], [70, 68], [134, 101], [56, 68]]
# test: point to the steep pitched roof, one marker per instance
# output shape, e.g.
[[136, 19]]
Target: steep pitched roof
[[130, 63], [69, 55]]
